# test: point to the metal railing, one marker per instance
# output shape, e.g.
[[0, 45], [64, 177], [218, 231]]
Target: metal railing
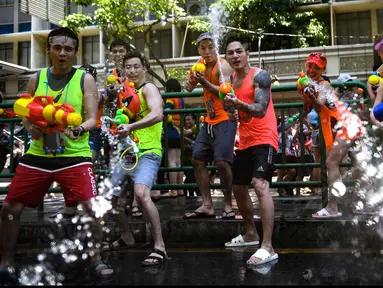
[[197, 111]]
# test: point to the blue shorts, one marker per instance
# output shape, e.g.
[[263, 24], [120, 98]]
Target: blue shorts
[[315, 138], [95, 139], [145, 173], [215, 142]]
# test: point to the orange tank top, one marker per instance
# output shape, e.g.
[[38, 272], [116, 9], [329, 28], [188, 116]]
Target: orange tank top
[[259, 131], [213, 104], [327, 115]]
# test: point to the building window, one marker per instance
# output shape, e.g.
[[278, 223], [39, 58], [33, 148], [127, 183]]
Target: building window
[[25, 54], [161, 41], [190, 49], [25, 27], [6, 52], [138, 41], [6, 28], [379, 15], [353, 28], [91, 49], [6, 2]]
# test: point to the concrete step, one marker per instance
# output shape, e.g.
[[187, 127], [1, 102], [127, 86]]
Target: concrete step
[[293, 226]]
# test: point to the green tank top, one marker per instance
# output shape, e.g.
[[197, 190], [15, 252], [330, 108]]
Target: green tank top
[[71, 94], [149, 138]]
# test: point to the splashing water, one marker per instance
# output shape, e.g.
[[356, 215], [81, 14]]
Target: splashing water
[[216, 12]]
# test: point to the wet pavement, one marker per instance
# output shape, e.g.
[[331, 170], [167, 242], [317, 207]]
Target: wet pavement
[[219, 266]]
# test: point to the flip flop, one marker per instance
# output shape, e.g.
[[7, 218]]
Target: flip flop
[[225, 215], [198, 215], [323, 214], [117, 245]]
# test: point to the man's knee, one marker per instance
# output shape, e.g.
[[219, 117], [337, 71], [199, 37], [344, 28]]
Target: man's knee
[[197, 163], [142, 193], [222, 165], [10, 211]]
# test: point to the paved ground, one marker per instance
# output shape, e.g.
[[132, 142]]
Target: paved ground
[[218, 266]]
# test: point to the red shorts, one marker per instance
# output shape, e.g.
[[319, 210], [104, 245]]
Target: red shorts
[[30, 184]]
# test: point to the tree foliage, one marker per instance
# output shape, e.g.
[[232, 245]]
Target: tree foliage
[[274, 17], [124, 18]]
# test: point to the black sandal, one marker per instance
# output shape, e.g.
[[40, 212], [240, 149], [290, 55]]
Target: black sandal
[[137, 213], [116, 245], [159, 259], [98, 266]]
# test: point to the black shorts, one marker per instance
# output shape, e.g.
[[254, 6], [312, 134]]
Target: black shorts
[[256, 161], [215, 142], [174, 143], [289, 159]]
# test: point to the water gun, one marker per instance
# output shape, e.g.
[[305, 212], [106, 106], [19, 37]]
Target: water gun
[[378, 112], [7, 114], [375, 80], [130, 100], [224, 89], [199, 67], [43, 112], [293, 119], [114, 82], [304, 84], [306, 88], [121, 117]]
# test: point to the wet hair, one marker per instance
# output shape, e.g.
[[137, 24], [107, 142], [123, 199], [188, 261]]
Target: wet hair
[[172, 85], [90, 69], [326, 78], [63, 31], [243, 39], [118, 42], [134, 54]]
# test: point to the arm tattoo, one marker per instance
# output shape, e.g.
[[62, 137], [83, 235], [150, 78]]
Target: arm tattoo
[[262, 84]]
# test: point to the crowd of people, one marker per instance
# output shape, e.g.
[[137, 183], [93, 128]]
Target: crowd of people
[[240, 135]]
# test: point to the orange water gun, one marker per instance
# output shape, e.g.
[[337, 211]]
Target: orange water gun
[[130, 100], [43, 112]]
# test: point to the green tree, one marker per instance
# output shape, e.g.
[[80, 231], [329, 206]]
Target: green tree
[[118, 19], [273, 17]]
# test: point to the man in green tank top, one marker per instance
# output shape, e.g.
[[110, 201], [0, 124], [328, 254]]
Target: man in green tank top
[[146, 126], [61, 157]]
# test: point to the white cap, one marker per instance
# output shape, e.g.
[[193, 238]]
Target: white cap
[[344, 77]]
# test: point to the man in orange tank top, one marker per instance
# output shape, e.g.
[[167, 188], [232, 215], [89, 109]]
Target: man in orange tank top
[[254, 159], [340, 128], [215, 140]]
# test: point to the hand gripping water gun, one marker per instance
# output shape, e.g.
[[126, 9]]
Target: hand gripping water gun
[[306, 88], [43, 112], [199, 67], [130, 100], [224, 89], [375, 80]]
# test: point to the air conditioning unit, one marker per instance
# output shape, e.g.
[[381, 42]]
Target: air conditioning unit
[[196, 7]]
